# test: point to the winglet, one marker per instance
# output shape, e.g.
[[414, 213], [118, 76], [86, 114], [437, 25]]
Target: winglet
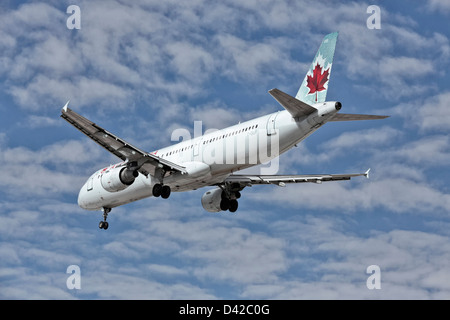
[[65, 106], [366, 174]]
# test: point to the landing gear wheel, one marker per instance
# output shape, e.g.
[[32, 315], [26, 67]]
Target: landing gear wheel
[[165, 192], [224, 204], [103, 224], [233, 205], [157, 188]]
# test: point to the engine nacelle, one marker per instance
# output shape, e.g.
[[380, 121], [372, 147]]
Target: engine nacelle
[[211, 200], [117, 179]]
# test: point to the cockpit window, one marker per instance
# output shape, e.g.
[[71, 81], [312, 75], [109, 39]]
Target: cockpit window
[[90, 183]]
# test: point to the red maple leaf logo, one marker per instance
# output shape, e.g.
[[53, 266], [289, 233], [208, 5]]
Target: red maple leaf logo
[[317, 81]]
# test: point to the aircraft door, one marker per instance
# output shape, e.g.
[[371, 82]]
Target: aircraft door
[[271, 124], [196, 149]]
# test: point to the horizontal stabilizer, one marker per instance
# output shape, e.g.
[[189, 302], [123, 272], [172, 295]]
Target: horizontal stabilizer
[[355, 117], [295, 107]]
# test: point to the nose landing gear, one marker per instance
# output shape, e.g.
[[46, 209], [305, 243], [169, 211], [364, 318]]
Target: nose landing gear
[[104, 224]]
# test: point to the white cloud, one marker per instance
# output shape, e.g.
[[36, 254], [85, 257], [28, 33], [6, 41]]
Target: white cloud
[[103, 285], [123, 51], [368, 59], [248, 61], [50, 93], [416, 43], [428, 114], [404, 67], [439, 6], [60, 153], [35, 16], [48, 170], [398, 194], [214, 116], [34, 121], [167, 270], [434, 114], [52, 57], [362, 139], [191, 62], [230, 254], [429, 151], [411, 262]]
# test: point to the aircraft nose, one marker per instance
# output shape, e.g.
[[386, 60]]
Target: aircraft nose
[[81, 202]]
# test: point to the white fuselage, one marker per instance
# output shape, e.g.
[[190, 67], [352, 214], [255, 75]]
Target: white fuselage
[[210, 158]]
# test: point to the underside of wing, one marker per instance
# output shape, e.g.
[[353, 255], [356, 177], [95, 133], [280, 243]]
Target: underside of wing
[[281, 180], [117, 146], [107, 140]]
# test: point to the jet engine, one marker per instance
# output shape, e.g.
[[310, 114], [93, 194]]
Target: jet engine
[[211, 200], [119, 178]]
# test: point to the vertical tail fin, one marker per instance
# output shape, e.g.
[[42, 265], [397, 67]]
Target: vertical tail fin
[[315, 84]]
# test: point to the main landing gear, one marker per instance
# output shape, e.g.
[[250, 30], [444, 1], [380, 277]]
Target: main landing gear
[[103, 224], [229, 202], [161, 190], [230, 194]]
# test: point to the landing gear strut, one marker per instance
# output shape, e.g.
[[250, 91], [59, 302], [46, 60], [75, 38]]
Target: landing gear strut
[[103, 224]]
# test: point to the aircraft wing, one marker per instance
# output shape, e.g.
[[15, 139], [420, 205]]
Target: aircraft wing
[[118, 146], [281, 180]]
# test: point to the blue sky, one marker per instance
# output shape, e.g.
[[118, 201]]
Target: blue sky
[[142, 70]]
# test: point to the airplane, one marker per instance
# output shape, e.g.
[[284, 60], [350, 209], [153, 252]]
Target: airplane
[[212, 159]]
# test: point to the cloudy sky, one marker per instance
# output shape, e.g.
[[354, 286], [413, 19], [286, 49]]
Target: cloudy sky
[[142, 69]]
